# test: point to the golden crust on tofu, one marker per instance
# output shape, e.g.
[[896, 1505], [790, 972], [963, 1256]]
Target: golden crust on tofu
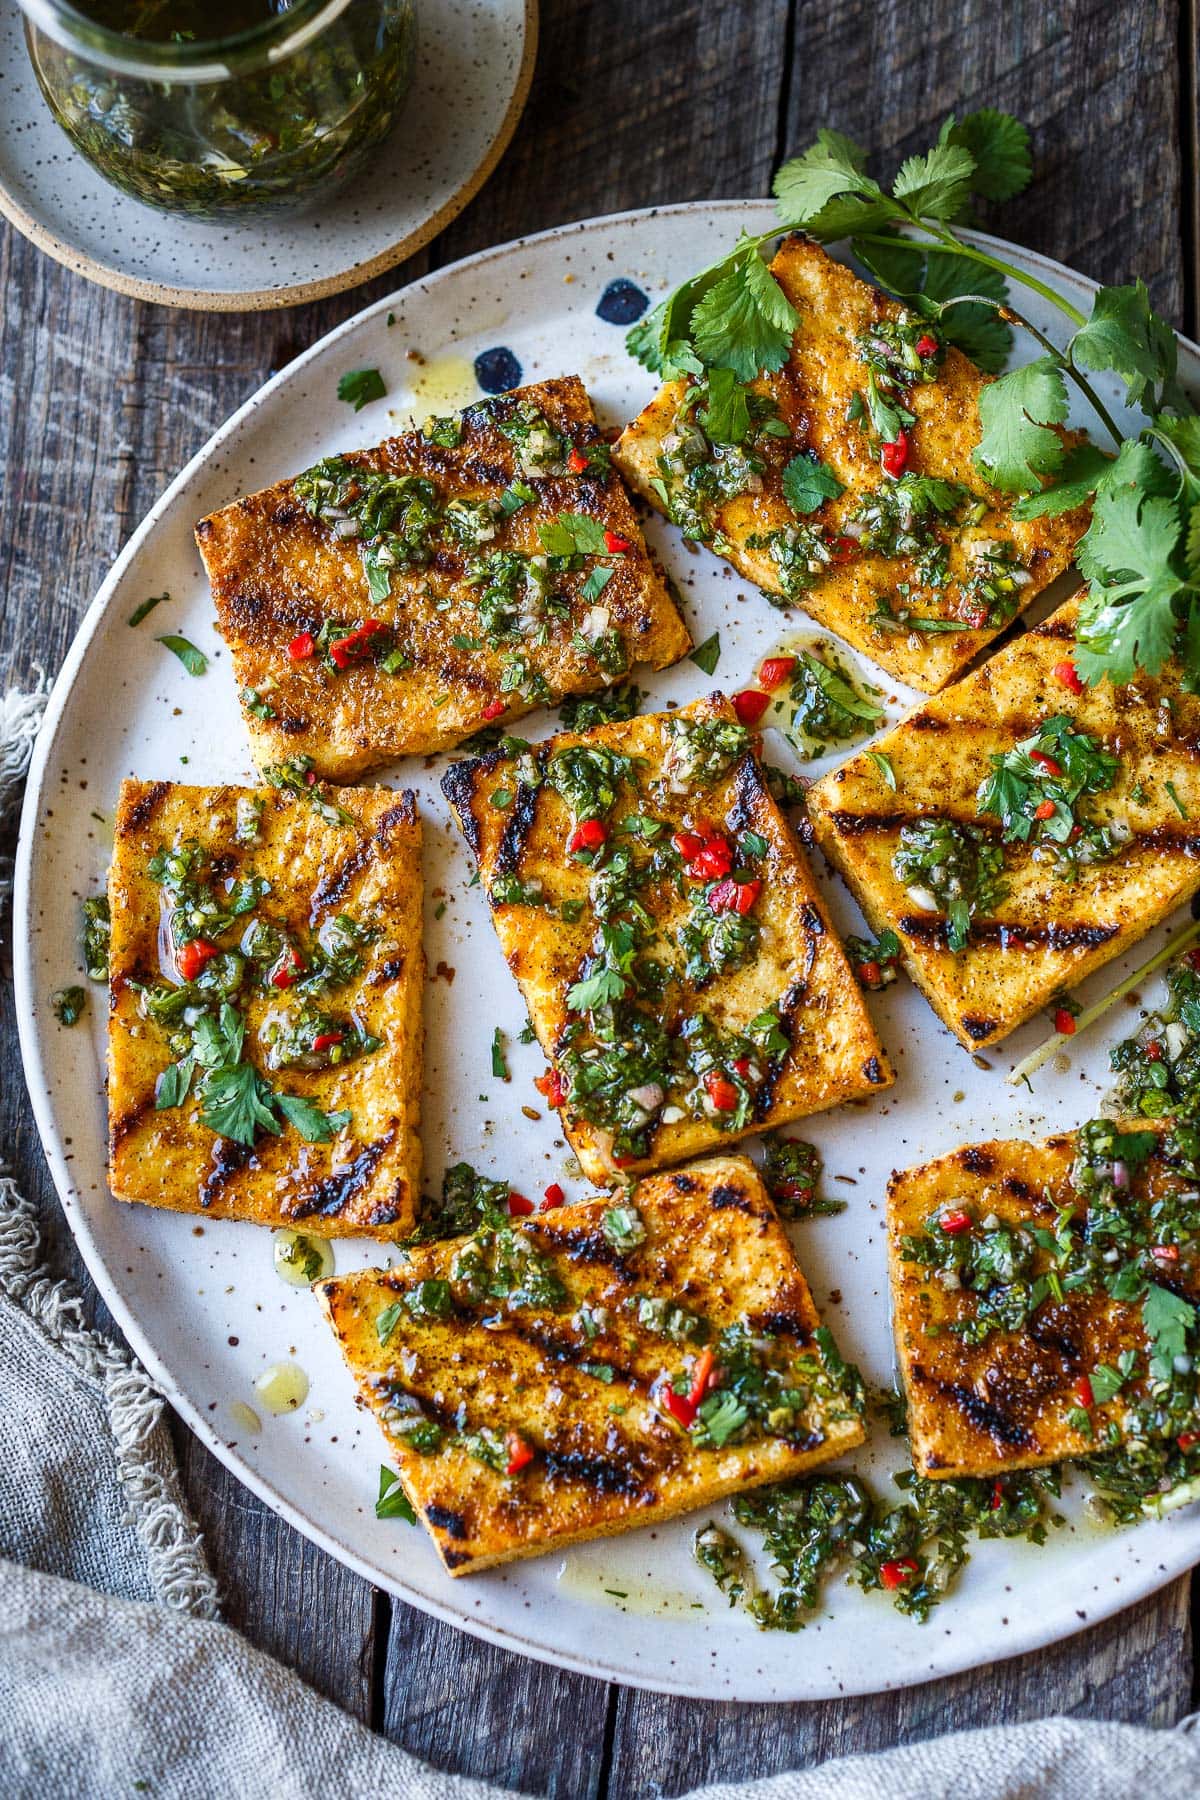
[[1016, 1399], [565, 1376], [735, 992], [332, 963], [281, 572], [812, 394], [1048, 933]]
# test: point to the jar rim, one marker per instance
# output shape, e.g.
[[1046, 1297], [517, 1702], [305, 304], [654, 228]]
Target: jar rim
[[213, 59]]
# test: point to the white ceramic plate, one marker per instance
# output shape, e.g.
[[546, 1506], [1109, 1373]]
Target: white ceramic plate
[[474, 65], [200, 1302]]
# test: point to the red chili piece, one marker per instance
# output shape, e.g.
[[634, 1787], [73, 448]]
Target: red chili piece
[[1084, 1394], [997, 1500], [328, 1039], [742, 1067], [551, 1085], [750, 705], [844, 549], [192, 957], [553, 1196], [1165, 1253], [720, 1091], [587, 836], [927, 346], [615, 544], [291, 965], [1186, 1439], [955, 1222], [519, 1453], [773, 671], [1154, 1051], [678, 1405], [734, 896], [355, 645], [494, 708], [1045, 762], [713, 860], [894, 456], [688, 843], [577, 461], [1068, 675], [701, 1375], [1046, 809], [870, 974], [519, 1207], [302, 646], [1064, 1022], [896, 1574]]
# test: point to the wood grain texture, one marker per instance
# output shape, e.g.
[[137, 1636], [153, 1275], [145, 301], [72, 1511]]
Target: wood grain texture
[[102, 400]]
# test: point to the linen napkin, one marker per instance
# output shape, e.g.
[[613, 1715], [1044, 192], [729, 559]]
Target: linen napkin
[[116, 1677]]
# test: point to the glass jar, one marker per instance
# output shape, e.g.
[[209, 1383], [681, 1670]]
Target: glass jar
[[255, 121]]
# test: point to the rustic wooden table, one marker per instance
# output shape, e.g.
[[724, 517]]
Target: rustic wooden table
[[104, 399]]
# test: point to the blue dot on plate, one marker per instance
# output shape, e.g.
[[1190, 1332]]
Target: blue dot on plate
[[497, 370], [622, 302]]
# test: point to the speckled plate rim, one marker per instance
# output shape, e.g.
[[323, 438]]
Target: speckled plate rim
[[1179, 1547], [296, 293]]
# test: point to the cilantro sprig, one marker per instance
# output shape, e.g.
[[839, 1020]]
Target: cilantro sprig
[[1141, 553]]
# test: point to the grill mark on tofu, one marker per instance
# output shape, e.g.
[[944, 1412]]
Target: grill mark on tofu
[[1010, 934], [764, 1100], [332, 889], [128, 1121], [516, 831], [332, 1195], [454, 1524], [978, 1027], [458, 785], [984, 1415], [725, 1196], [781, 1324], [228, 1160], [977, 1161], [145, 807], [584, 1246], [603, 1474]]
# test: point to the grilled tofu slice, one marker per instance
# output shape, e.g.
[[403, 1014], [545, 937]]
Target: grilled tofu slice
[[287, 927], [391, 601], [923, 617], [540, 1413], [1021, 1396], [679, 967], [1047, 933]]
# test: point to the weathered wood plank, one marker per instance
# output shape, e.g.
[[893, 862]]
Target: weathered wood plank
[[1096, 80], [1136, 1667], [468, 1707]]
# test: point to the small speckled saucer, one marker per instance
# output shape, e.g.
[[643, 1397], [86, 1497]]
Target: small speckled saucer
[[474, 65]]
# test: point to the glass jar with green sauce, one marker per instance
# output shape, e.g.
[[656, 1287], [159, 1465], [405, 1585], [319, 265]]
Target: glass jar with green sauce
[[222, 107]]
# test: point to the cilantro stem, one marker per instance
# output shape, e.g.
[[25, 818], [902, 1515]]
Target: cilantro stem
[[1043, 1053], [947, 238]]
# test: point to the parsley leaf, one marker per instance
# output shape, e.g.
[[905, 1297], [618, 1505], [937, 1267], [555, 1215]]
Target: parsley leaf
[[314, 1126], [193, 660], [707, 655], [808, 483], [1167, 1320], [573, 534], [174, 1084], [360, 387], [745, 321], [236, 1104], [600, 989], [1018, 446]]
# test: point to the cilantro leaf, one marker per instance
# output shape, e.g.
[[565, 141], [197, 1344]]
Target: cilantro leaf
[[573, 534], [314, 1125], [999, 147], [360, 387], [600, 989], [745, 321], [1077, 482], [937, 184], [174, 1084], [1128, 556], [146, 607], [393, 1502], [928, 280], [235, 1103], [707, 655], [1167, 1320], [597, 581], [1018, 446], [883, 763], [1126, 335], [808, 483], [193, 660], [831, 167], [379, 577], [726, 416]]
